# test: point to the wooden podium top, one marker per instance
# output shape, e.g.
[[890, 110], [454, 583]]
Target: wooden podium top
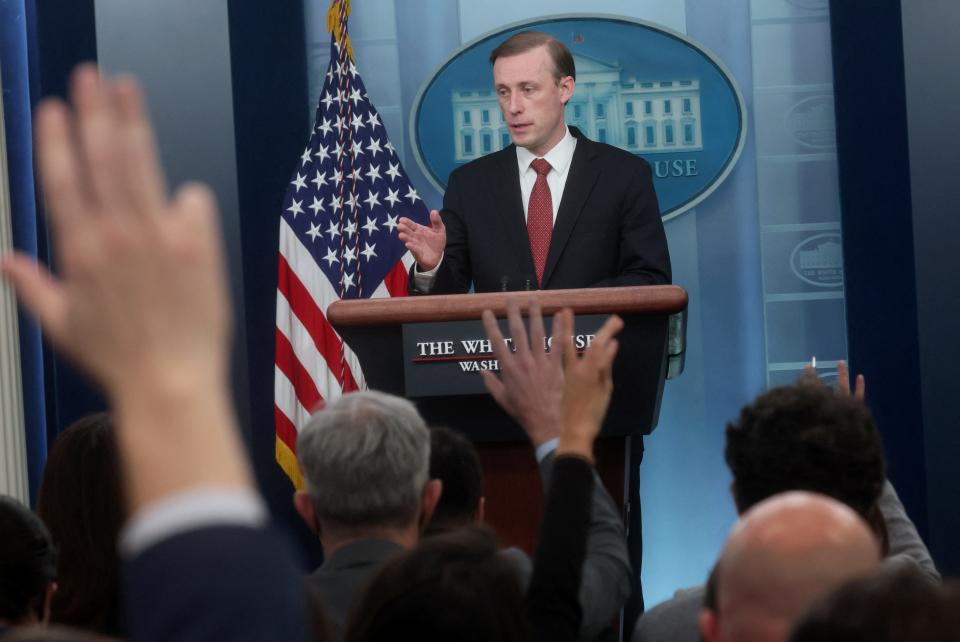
[[641, 300]]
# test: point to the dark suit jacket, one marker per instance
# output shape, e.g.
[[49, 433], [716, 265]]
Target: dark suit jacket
[[216, 583], [607, 232], [606, 573], [340, 580]]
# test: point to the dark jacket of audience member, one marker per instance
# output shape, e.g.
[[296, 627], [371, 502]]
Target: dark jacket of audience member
[[28, 566], [81, 502], [887, 606], [605, 581], [456, 586]]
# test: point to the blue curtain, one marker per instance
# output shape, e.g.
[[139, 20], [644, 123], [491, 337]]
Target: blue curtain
[[16, 33]]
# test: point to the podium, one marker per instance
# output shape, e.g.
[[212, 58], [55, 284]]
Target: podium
[[410, 346]]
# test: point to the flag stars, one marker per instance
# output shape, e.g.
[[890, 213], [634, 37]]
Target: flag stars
[[305, 157], [394, 171], [314, 232], [338, 150], [327, 99], [374, 147], [347, 281], [323, 153], [353, 70], [355, 96], [333, 231], [320, 179], [356, 148], [300, 181], [336, 203], [295, 208], [337, 177], [368, 251], [350, 228], [373, 173], [317, 206], [340, 124], [412, 195], [392, 222], [325, 126], [371, 200], [390, 146], [357, 175], [374, 121], [353, 200], [393, 197], [349, 255], [331, 257], [371, 226]]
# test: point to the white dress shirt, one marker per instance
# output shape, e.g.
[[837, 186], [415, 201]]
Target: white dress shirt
[[560, 157]]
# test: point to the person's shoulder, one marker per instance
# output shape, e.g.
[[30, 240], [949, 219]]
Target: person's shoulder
[[674, 619], [485, 164], [612, 157]]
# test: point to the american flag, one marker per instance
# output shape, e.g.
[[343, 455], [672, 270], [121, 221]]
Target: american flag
[[338, 240]]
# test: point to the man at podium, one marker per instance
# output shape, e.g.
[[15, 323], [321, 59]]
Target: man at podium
[[553, 210]]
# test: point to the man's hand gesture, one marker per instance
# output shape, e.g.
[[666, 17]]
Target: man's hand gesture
[[425, 242]]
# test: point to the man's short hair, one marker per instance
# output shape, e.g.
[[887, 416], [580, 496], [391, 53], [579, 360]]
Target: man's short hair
[[452, 586], [454, 461], [526, 40], [806, 437], [890, 605], [28, 561], [365, 460]]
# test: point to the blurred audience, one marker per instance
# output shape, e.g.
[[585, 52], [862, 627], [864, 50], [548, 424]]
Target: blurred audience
[[28, 566], [81, 502], [455, 463], [365, 460], [783, 554], [891, 605], [606, 569], [455, 585], [803, 437], [140, 303]]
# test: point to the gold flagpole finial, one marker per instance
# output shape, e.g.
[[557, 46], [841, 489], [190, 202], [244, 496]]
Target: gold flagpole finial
[[337, 16]]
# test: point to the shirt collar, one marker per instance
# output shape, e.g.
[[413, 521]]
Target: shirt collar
[[559, 157]]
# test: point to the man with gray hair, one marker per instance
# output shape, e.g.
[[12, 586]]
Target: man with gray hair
[[365, 459]]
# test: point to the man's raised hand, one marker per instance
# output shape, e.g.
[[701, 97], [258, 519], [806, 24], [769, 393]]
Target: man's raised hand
[[531, 387], [425, 242], [587, 387], [140, 299]]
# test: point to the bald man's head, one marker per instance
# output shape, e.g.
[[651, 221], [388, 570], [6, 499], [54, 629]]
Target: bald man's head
[[782, 555]]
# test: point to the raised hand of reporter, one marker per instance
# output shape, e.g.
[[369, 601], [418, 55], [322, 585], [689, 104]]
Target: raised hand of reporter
[[531, 384], [588, 385]]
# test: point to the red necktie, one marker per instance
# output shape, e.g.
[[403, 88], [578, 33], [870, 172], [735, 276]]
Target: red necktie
[[540, 217]]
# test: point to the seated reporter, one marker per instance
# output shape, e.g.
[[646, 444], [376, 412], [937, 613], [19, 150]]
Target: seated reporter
[[81, 502], [140, 303], [456, 586], [804, 437], [28, 567]]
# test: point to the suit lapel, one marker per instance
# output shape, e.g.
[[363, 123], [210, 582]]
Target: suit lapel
[[580, 181], [509, 212]]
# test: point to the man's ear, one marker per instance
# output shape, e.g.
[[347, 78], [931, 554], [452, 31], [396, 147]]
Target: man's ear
[[709, 625], [304, 506], [428, 500], [481, 509], [567, 85]]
